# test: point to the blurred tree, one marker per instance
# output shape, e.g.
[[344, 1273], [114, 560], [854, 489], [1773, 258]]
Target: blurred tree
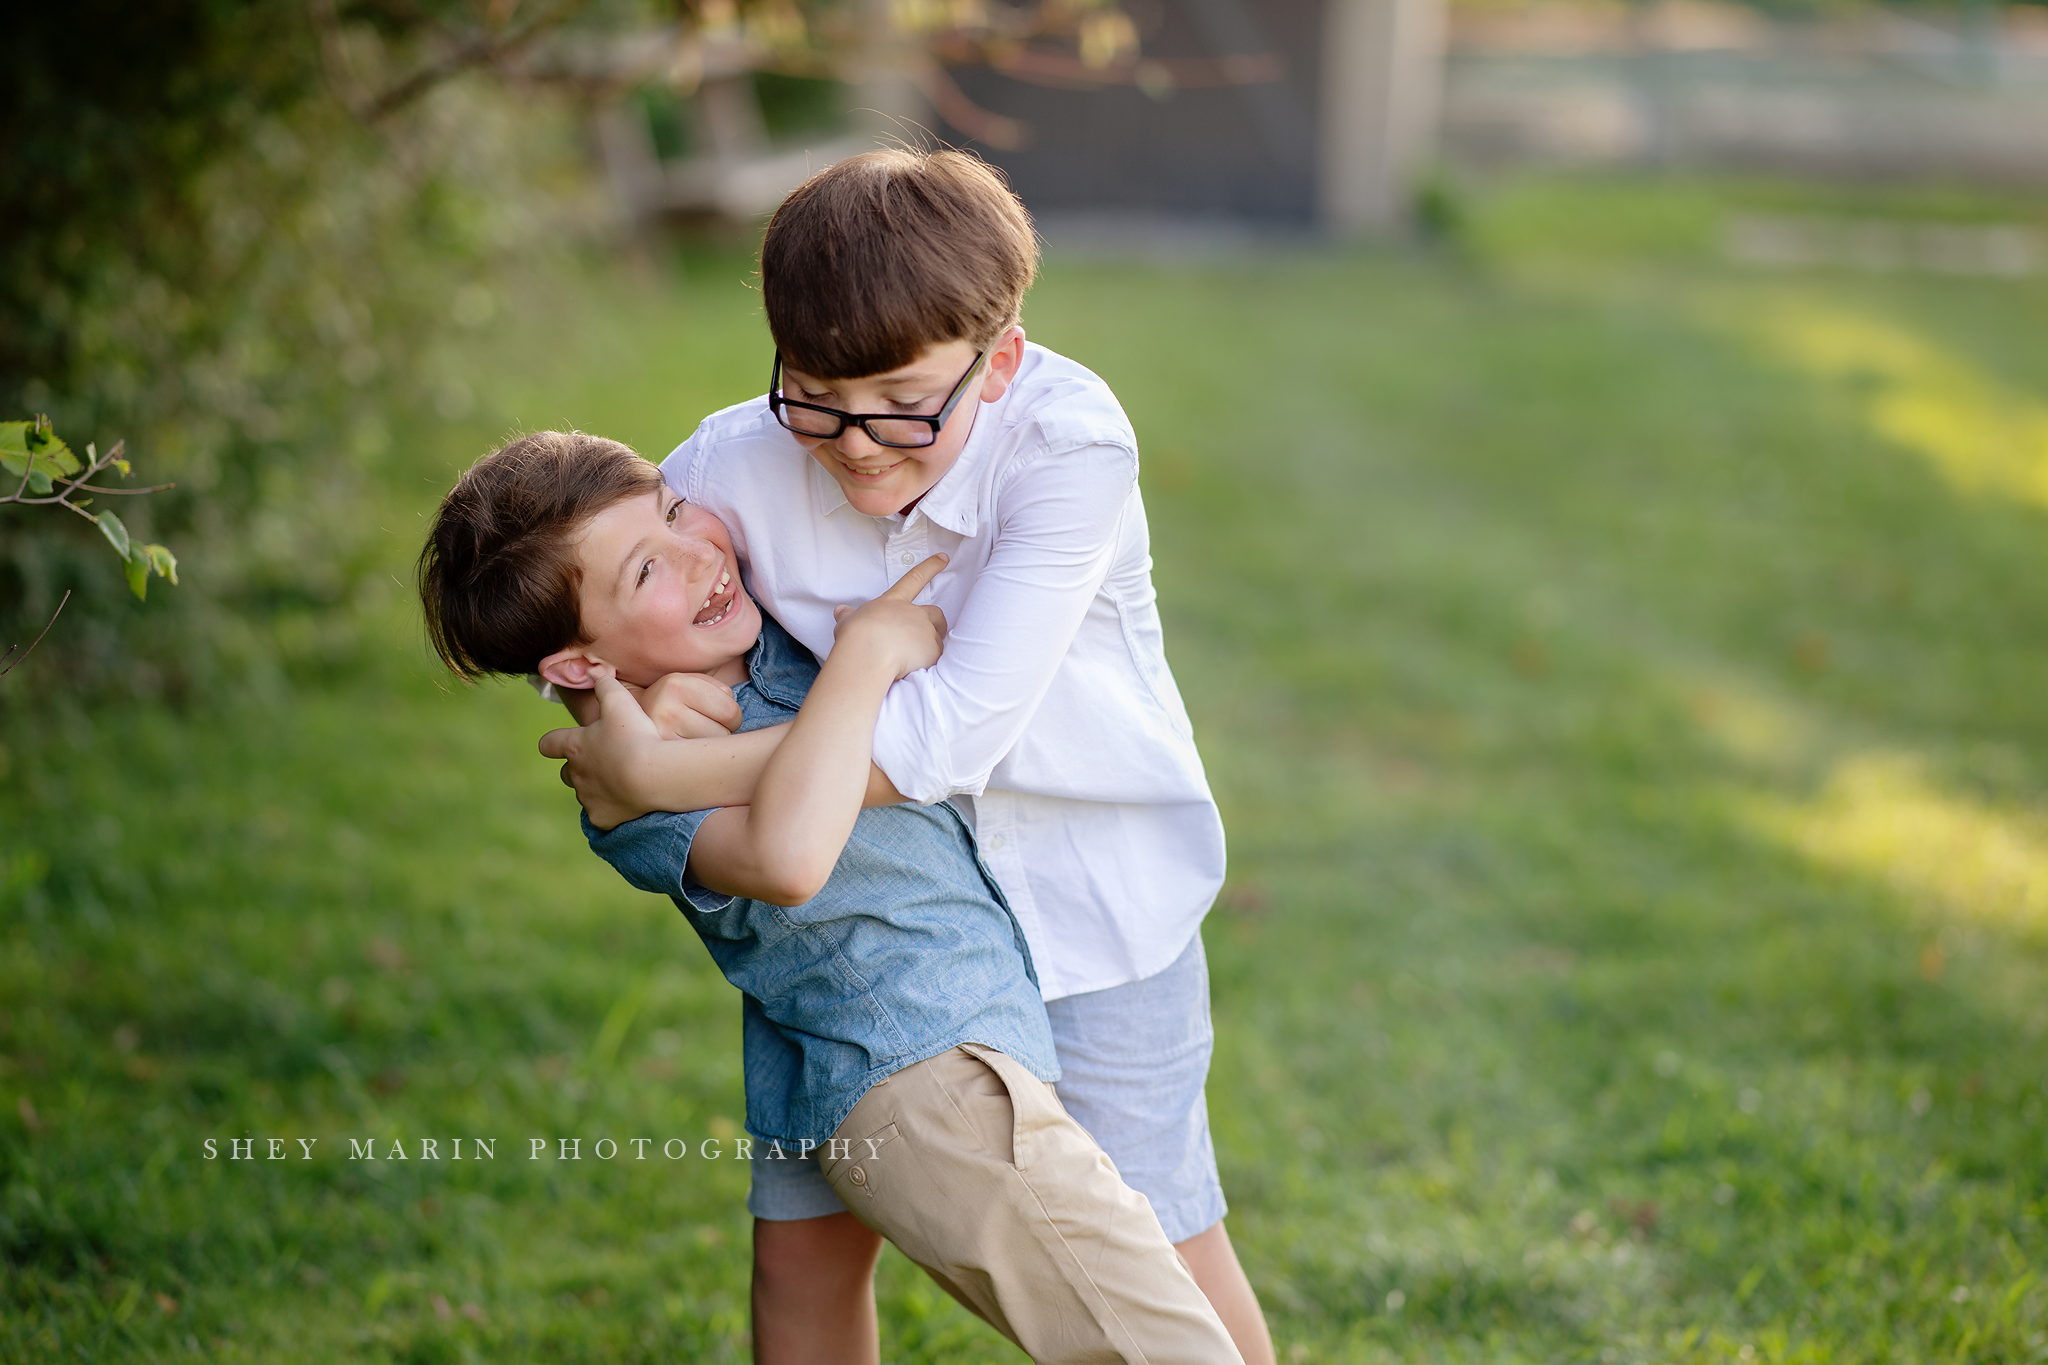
[[235, 229], [202, 245]]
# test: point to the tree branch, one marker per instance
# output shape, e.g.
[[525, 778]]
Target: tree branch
[[13, 658], [479, 50]]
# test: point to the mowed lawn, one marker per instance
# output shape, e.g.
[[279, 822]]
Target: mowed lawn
[[1625, 677]]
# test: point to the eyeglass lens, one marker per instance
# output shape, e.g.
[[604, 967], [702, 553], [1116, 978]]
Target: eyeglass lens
[[887, 430]]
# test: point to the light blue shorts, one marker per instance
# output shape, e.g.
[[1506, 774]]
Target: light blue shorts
[[1133, 1060]]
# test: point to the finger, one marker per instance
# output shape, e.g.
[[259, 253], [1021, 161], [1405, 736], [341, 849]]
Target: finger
[[614, 700], [713, 699], [688, 724], [567, 780], [560, 743], [938, 620], [840, 613], [915, 582]]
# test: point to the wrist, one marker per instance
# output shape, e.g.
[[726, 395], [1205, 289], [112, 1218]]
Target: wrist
[[636, 778], [870, 658]]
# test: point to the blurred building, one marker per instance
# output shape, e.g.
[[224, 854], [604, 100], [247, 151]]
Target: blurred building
[[1865, 90], [1325, 115], [1298, 114]]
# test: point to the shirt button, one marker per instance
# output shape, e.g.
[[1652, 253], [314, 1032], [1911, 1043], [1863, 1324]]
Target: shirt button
[[995, 843], [857, 1176], [909, 558]]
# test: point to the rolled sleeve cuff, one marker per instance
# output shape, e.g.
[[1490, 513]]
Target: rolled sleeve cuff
[[653, 854]]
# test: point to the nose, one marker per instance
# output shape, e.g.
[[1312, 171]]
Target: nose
[[699, 554], [856, 444]]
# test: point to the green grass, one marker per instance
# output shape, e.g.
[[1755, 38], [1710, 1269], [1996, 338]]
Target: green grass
[[1623, 677]]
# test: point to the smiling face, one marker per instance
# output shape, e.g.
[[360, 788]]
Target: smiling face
[[879, 480], [661, 594]]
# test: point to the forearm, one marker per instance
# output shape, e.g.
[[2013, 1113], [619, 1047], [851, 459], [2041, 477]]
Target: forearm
[[698, 774], [782, 847]]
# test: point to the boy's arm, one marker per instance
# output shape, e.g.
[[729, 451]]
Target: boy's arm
[[681, 705], [621, 768], [783, 847], [942, 731]]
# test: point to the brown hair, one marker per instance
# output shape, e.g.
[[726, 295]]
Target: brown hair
[[499, 579], [877, 257]]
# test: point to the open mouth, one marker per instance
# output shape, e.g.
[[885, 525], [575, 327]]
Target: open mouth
[[723, 602]]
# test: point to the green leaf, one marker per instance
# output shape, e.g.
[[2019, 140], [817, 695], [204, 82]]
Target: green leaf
[[32, 448], [14, 456], [163, 561], [137, 570], [48, 451], [116, 534]]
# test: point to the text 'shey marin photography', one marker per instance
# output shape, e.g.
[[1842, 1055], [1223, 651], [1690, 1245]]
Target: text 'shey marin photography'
[[537, 1149]]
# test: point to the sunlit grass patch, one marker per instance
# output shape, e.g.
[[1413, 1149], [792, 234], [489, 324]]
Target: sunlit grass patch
[[1980, 435], [1881, 816]]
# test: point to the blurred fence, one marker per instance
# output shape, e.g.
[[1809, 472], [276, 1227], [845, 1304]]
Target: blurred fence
[[1872, 92]]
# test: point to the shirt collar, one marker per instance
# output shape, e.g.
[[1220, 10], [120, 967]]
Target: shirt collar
[[779, 668], [825, 489], [955, 500]]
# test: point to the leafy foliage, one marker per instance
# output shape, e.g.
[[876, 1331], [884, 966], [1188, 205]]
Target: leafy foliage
[[204, 248], [32, 451]]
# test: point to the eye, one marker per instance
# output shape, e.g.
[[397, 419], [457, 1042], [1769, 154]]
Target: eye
[[645, 569], [673, 509], [917, 405]]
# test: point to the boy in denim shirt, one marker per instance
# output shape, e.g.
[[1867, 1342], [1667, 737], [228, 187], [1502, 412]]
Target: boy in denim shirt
[[894, 1030]]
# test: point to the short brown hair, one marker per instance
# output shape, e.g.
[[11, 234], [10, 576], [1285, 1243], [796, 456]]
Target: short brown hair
[[499, 579], [881, 255]]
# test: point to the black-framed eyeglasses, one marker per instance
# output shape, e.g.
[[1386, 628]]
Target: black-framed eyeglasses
[[884, 429]]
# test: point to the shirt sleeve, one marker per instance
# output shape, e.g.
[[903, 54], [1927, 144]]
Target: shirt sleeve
[[943, 730], [653, 853]]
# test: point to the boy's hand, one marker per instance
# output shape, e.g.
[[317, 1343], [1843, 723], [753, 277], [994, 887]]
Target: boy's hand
[[690, 706], [601, 759], [910, 635], [682, 706]]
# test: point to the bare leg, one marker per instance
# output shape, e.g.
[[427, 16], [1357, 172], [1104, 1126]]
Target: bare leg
[[814, 1292], [1213, 1262]]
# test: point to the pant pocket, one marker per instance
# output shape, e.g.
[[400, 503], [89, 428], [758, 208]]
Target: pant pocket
[[852, 1164], [986, 1102]]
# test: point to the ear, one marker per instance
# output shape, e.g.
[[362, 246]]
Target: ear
[[573, 668], [1005, 357]]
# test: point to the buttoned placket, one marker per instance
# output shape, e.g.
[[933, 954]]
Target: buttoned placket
[[906, 541]]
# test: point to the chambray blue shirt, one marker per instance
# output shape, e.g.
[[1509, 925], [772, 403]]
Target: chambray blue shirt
[[909, 950]]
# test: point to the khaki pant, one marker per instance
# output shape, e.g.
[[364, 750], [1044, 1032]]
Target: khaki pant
[[970, 1166]]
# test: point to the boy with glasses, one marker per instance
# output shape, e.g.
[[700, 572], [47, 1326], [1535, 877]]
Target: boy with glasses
[[893, 284]]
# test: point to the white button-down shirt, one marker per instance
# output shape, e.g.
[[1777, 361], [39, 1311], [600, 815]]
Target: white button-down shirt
[[1052, 718]]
